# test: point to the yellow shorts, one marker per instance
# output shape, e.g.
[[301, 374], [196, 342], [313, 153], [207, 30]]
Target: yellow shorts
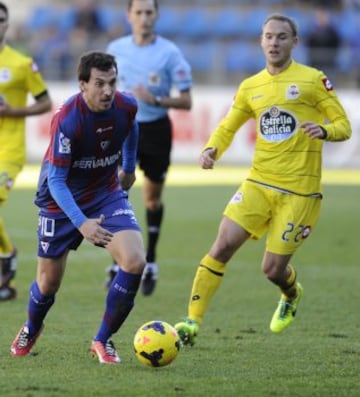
[[8, 174], [288, 219]]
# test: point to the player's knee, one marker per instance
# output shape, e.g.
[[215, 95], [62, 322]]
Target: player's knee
[[49, 287], [222, 256], [153, 204], [222, 250], [134, 263]]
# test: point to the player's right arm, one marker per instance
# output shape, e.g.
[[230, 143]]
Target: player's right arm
[[89, 228], [223, 135], [208, 158]]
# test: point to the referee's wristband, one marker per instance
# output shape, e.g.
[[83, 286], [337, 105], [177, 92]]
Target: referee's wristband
[[157, 100]]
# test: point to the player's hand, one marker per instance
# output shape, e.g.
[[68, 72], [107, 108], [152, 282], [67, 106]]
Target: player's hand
[[313, 130], [126, 180], [207, 158], [94, 233]]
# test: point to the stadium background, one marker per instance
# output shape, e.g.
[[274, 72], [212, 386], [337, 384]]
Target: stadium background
[[220, 40]]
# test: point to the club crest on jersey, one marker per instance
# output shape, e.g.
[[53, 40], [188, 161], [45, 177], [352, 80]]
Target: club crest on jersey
[[292, 92], [327, 84], [64, 144], [104, 144], [277, 125]]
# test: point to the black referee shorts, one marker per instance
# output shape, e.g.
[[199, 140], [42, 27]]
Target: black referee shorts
[[154, 148]]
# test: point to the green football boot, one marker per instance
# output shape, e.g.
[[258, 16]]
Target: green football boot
[[285, 313], [187, 330]]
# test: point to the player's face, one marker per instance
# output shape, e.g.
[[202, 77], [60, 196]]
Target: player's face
[[142, 16], [277, 42], [99, 91]]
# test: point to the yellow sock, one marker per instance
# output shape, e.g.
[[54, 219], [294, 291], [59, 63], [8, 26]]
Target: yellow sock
[[5, 242], [291, 289], [207, 280]]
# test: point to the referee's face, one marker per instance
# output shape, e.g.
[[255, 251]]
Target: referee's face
[[142, 16]]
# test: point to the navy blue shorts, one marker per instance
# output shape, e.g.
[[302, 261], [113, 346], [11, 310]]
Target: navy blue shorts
[[56, 235]]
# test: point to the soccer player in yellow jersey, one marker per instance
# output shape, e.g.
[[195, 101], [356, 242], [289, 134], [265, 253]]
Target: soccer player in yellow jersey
[[296, 110], [19, 76]]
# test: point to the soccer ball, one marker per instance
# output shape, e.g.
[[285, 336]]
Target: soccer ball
[[156, 343]]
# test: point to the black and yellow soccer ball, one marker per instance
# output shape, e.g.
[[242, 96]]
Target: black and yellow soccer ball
[[156, 343]]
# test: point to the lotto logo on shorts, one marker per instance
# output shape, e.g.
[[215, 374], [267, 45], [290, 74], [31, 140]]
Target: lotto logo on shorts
[[237, 198]]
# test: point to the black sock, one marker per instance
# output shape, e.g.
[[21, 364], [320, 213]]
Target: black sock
[[153, 219]]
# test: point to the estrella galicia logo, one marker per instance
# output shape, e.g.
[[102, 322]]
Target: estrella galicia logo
[[277, 125]]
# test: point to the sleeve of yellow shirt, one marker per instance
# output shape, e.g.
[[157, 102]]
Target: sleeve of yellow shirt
[[223, 135], [338, 127], [34, 79]]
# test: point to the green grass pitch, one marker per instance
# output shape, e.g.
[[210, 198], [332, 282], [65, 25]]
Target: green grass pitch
[[235, 354]]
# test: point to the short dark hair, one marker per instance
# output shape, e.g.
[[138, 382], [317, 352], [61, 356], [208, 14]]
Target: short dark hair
[[95, 59], [283, 18], [5, 9], [156, 4]]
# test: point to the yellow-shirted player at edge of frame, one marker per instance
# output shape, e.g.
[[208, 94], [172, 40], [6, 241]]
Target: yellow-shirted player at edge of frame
[[19, 77]]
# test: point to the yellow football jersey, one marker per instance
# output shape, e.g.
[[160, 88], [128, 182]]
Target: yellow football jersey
[[19, 76], [284, 156]]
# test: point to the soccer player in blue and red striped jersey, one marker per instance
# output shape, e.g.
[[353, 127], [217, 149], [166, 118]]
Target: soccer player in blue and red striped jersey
[[81, 194]]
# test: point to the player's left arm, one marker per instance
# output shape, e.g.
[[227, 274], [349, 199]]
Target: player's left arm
[[129, 152], [337, 126]]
